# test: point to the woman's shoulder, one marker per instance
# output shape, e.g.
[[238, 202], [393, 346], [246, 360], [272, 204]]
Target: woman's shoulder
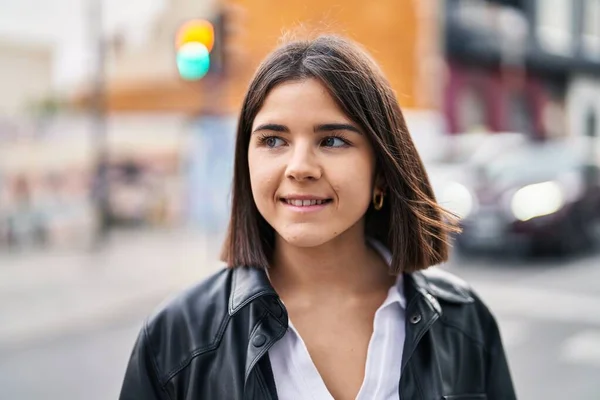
[[191, 325], [191, 318], [207, 297], [445, 286]]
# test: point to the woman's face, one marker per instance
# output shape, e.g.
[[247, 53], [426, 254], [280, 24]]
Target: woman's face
[[311, 168]]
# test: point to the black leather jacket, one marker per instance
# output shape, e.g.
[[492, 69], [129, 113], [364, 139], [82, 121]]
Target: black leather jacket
[[211, 342]]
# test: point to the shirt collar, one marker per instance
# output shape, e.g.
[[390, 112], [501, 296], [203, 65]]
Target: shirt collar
[[396, 293]]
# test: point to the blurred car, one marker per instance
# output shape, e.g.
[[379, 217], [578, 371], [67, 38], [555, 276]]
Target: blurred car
[[452, 172], [130, 195], [22, 223], [536, 197], [25, 228], [137, 194]]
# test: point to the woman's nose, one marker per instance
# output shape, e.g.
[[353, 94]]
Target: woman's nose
[[303, 164]]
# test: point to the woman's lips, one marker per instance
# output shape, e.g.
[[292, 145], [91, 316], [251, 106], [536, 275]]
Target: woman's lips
[[305, 202]]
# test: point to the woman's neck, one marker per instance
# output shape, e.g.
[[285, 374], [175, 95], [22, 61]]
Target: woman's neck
[[345, 266]]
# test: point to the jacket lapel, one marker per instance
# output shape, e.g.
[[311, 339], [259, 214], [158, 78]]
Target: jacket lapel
[[422, 311], [252, 291]]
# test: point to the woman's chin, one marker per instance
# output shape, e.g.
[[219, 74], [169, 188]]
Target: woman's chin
[[298, 238]]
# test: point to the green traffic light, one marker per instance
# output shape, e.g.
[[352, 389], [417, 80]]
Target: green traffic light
[[193, 61]]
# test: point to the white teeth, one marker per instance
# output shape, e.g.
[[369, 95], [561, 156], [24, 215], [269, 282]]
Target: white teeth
[[304, 203]]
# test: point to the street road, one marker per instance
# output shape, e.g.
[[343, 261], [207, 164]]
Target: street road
[[549, 313]]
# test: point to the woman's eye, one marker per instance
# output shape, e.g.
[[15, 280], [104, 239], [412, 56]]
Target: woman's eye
[[333, 141], [273, 141]]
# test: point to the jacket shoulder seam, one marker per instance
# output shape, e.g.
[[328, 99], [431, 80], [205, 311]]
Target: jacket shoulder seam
[[199, 351], [467, 334], [457, 291]]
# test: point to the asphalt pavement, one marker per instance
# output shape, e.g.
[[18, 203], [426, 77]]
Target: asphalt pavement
[[68, 321], [549, 315]]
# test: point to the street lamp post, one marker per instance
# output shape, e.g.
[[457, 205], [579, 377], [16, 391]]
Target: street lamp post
[[513, 30], [100, 190]]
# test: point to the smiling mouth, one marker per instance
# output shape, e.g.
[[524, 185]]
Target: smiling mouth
[[306, 203]]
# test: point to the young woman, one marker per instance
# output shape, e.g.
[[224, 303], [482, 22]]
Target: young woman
[[328, 292]]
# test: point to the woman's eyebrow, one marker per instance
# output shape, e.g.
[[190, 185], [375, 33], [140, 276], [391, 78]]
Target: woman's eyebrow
[[319, 128], [337, 127], [272, 127]]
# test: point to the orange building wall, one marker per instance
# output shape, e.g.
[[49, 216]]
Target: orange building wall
[[388, 29]]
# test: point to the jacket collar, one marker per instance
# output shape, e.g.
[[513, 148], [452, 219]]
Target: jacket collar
[[423, 290], [248, 283]]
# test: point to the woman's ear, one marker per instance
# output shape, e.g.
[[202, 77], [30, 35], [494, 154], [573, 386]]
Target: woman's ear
[[380, 183]]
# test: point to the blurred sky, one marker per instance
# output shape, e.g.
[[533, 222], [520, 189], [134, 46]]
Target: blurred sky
[[63, 24]]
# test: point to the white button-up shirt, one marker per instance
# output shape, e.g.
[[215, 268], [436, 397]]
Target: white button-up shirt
[[297, 378]]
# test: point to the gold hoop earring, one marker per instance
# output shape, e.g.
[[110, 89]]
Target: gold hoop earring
[[377, 201]]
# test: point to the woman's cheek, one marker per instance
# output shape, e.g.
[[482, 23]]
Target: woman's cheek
[[354, 186], [264, 184]]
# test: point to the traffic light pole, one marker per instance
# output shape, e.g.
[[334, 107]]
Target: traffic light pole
[[100, 185]]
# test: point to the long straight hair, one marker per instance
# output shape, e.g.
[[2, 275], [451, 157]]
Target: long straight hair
[[411, 223]]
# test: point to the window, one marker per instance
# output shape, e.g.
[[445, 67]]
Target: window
[[554, 119], [520, 116], [554, 25], [472, 112], [591, 27], [475, 14]]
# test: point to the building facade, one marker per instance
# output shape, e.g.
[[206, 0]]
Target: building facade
[[529, 66], [25, 76]]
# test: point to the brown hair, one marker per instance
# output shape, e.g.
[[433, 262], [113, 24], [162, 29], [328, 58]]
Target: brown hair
[[411, 224]]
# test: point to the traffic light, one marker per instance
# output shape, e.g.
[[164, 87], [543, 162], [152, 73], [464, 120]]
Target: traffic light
[[195, 42]]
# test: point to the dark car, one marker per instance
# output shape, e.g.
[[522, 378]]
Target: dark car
[[451, 171], [541, 196]]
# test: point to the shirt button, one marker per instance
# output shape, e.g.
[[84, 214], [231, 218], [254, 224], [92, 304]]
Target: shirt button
[[415, 319], [259, 340]]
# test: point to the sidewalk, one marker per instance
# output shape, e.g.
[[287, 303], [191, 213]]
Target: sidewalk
[[47, 295]]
